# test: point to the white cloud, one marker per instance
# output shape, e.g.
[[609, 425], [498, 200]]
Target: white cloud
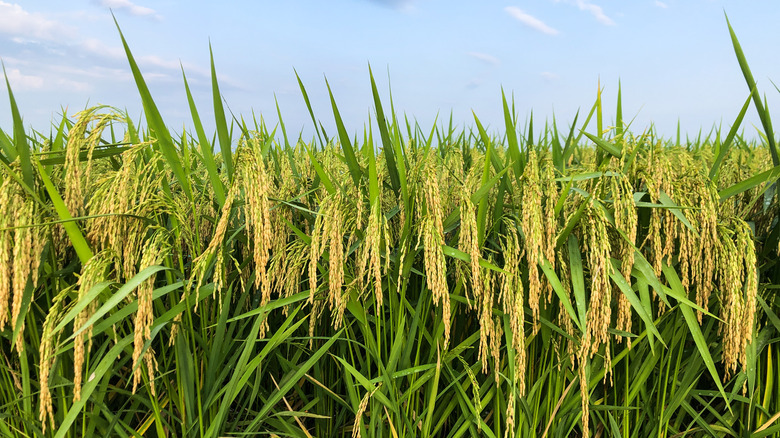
[[21, 81], [549, 76], [404, 6], [484, 57], [71, 85], [592, 9], [17, 22], [92, 73], [661, 4], [530, 21], [131, 8], [97, 47], [40, 82]]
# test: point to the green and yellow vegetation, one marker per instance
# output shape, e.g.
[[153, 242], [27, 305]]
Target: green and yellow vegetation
[[401, 282]]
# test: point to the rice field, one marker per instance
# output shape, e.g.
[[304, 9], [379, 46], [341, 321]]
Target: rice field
[[404, 281]]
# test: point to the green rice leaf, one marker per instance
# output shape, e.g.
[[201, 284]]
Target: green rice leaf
[[346, 144], [763, 112], [765, 177], [695, 330], [115, 298], [219, 114], [726, 145], [392, 149], [206, 148], [633, 299], [77, 239], [610, 148], [155, 121], [21, 146], [549, 272]]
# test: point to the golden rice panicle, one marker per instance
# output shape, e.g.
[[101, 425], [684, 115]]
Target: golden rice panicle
[[704, 267], [512, 300], [216, 247], [496, 336], [739, 286], [334, 232], [25, 261], [92, 273], [287, 188], [376, 227], [155, 251], [7, 207], [332, 213], [328, 234], [550, 223], [510, 417], [564, 319], [362, 410], [369, 259], [46, 351], [118, 201], [74, 197], [318, 241], [200, 264], [531, 223], [662, 226], [582, 366], [730, 296], [468, 240], [432, 235], [626, 224], [652, 175], [77, 173], [687, 189], [671, 224], [257, 186], [600, 307], [744, 240], [289, 269], [486, 327]]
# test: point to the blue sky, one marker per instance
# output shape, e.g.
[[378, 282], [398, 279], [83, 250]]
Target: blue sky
[[674, 58]]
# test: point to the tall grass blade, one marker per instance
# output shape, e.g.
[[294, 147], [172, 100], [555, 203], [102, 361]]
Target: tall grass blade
[[77, 239], [392, 149], [21, 146], [206, 148], [221, 121], [317, 125], [763, 111], [346, 144], [155, 121]]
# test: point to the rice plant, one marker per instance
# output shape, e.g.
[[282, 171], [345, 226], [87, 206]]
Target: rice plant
[[396, 282]]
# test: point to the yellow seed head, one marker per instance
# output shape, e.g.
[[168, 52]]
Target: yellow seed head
[[92, 273], [155, 251], [531, 205]]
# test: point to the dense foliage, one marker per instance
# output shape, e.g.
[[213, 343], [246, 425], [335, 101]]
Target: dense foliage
[[442, 282]]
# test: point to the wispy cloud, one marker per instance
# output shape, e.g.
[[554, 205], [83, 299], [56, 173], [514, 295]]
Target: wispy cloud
[[484, 57], [21, 81], [42, 53], [549, 76], [17, 22], [530, 21], [661, 4], [401, 5], [131, 8], [115, 53], [43, 82], [592, 9]]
